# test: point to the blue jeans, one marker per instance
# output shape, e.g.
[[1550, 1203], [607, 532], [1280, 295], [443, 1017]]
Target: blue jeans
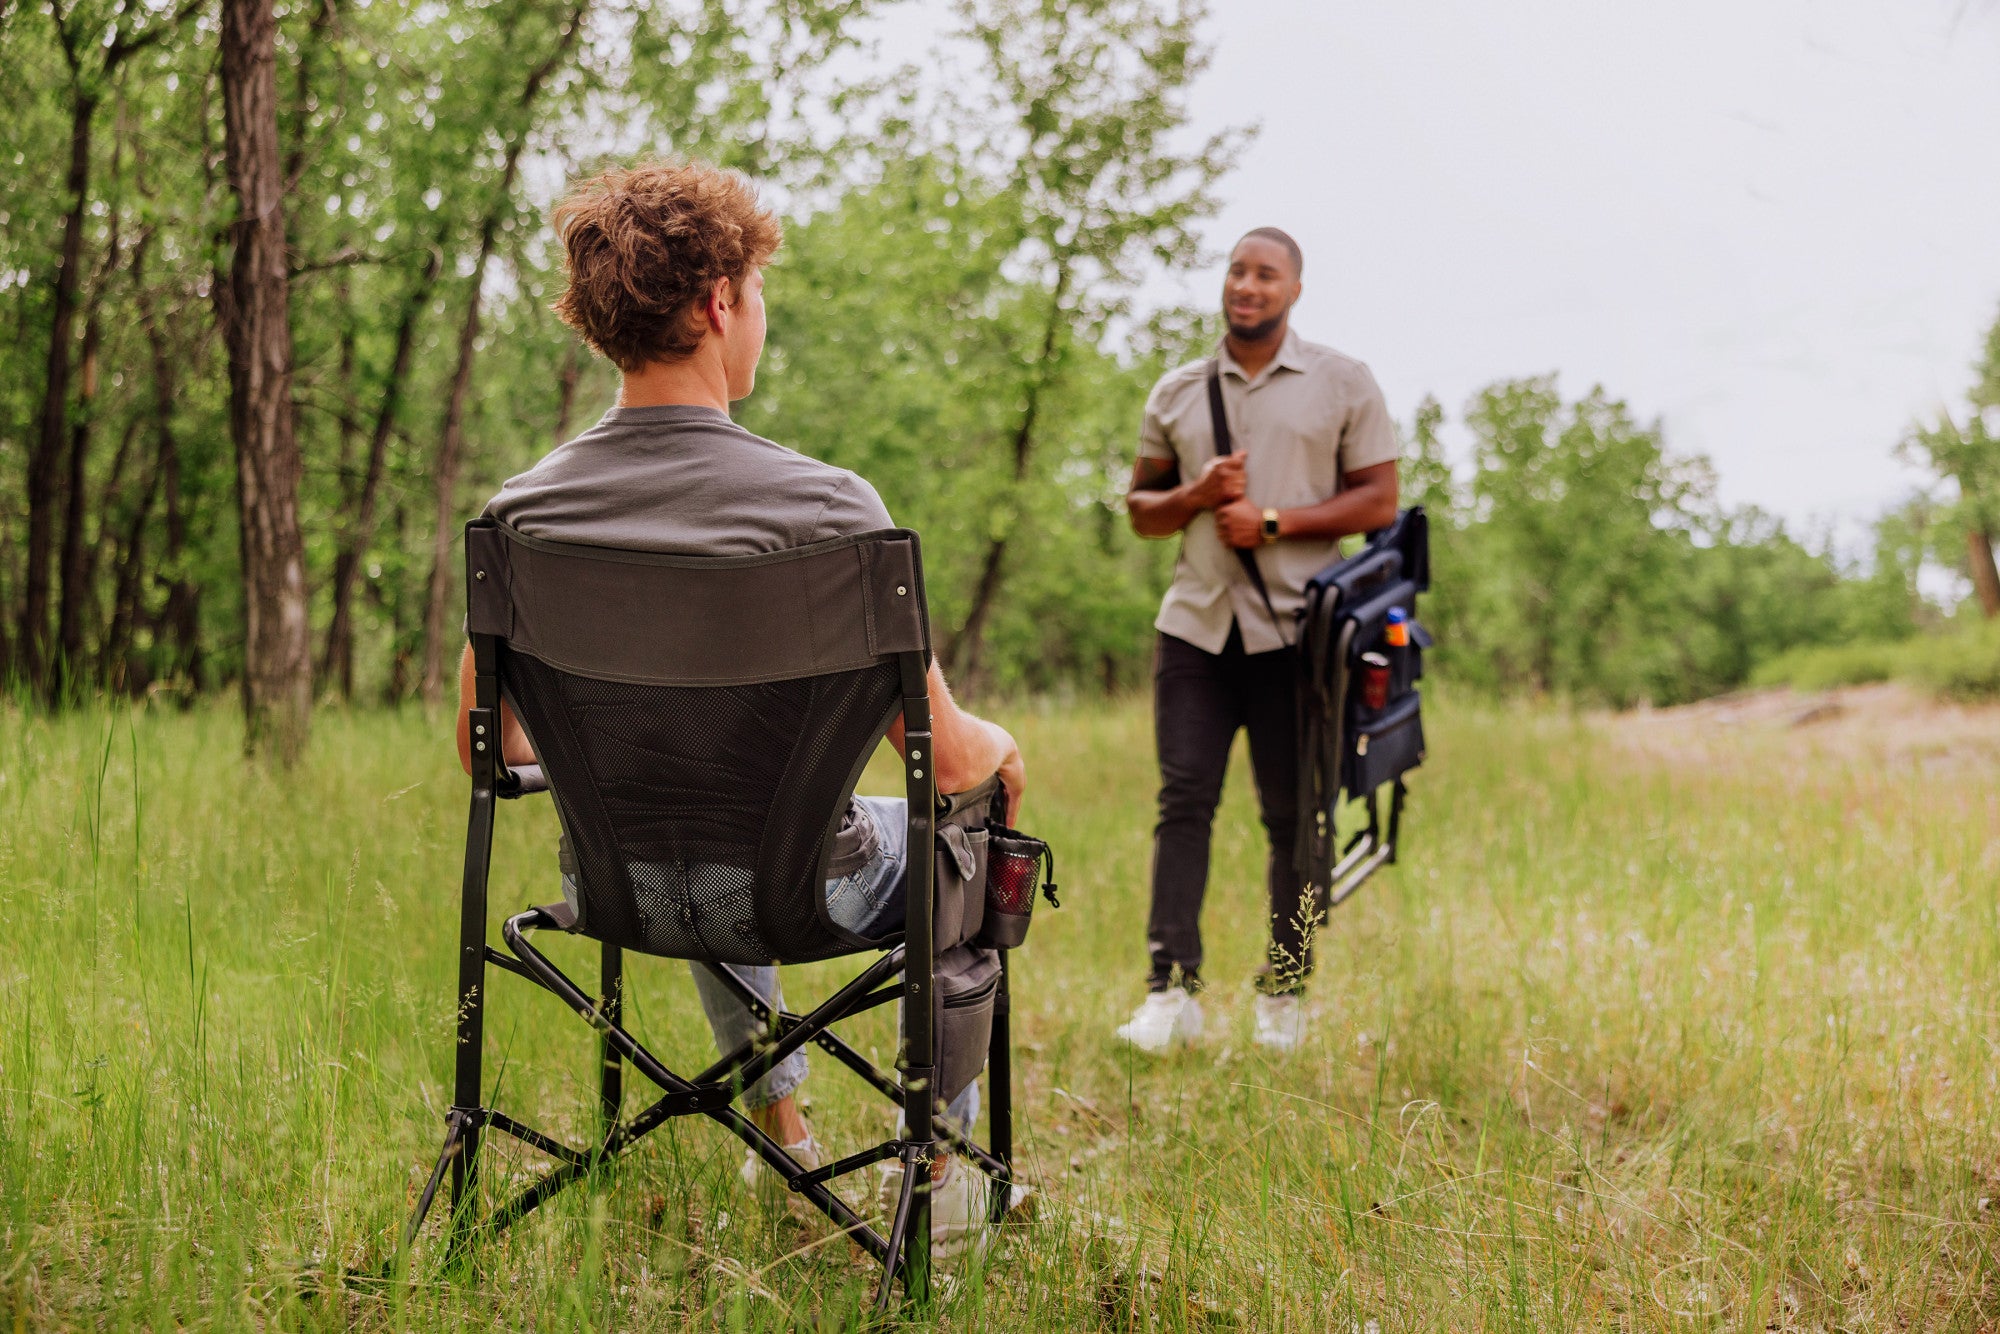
[[868, 901]]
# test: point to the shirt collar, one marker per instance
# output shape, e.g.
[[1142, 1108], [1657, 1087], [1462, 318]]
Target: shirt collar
[[1291, 357]]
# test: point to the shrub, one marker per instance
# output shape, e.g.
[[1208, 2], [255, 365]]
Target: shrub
[[1826, 666], [1962, 665]]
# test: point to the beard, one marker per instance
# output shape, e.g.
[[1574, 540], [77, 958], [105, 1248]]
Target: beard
[[1255, 333]]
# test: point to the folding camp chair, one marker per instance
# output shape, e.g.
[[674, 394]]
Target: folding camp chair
[[1348, 750], [701, 724]]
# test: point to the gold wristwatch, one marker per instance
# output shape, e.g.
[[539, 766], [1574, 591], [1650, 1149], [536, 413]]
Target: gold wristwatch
[[1270, 526]]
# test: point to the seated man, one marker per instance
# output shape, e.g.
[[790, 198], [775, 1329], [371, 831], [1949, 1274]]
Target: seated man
[[666, 281]]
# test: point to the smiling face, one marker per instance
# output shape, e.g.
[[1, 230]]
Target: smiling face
[[1260, 288]]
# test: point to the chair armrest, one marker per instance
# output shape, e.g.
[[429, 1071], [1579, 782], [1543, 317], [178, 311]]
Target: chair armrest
[[520, 781]]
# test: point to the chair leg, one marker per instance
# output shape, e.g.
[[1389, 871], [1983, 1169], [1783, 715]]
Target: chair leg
[[471, 1000], [909, 1250], [448, 1156], [1000, 1079], [611, 1075]]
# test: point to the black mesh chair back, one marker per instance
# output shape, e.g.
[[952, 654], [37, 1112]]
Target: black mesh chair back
[[702, 722]]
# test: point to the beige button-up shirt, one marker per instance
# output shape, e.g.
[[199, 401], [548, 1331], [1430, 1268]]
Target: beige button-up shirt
[[1305, 421]]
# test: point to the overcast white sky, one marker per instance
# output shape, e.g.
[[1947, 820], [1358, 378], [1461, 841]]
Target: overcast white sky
[[1773, 224]]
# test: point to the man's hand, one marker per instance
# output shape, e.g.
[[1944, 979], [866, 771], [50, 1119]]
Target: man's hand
[[1221, 482], [1241, 525], [1013, 777], [1160, 504]]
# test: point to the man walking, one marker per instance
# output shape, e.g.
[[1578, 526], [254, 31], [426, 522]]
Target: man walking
[[1307, 457]]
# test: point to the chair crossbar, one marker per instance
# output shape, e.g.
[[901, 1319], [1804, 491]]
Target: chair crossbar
[[710, 1093], [875, 998], [791, 1031], [536, 1140], [853, 1162], [501, 959], [575, 1163], [833, 1045], [591, 1011]]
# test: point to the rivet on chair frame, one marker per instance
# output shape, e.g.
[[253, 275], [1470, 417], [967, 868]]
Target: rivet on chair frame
[[479, 574], [901, 589]]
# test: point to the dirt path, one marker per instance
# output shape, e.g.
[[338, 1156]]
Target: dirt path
[[1887, 723]]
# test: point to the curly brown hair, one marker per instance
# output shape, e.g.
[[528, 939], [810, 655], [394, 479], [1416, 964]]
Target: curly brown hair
[[645, 245]]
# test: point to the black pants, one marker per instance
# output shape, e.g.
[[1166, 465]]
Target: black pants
[[1199, 701]]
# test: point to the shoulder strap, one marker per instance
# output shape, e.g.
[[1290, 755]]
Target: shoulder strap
[[1219, 421], [1217, 418]]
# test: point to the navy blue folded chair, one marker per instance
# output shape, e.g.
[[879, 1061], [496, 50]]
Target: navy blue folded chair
[[1352, 750]]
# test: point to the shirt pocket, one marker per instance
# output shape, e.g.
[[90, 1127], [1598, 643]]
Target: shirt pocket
[[1296, 460]]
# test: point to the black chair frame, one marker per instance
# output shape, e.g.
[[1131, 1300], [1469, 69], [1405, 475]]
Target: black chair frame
[[1345, 600], [900, 973]]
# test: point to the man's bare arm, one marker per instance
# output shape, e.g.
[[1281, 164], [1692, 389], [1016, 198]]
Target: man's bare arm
[[968, 750], [1367, 501], [1160, 504], [514, 747]]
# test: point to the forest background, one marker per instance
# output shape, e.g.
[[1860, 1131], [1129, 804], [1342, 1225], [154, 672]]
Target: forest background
[[276, 286]]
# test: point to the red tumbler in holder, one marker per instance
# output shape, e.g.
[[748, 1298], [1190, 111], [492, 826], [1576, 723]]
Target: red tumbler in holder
[[1374, 681]]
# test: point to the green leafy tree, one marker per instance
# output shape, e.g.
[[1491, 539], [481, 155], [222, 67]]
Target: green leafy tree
[[96, 40], [1090, 98], [1585, 517], [1968, 457]]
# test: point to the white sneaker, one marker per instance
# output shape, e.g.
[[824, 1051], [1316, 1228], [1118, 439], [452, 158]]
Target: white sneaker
[[770, 1188], [1281, 1022], [960, 1223], [1164, 1019]]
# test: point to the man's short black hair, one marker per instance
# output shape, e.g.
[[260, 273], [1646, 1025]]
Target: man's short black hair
[[1283, 239]]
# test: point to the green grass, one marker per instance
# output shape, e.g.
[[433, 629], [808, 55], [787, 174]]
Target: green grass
[[1622, 1043]]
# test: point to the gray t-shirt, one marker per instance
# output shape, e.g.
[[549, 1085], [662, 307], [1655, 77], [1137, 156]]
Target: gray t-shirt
[[689, 481]]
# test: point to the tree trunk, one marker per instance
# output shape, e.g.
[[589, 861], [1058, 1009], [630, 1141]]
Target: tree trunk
[[964, 652], [126, 610], [397, 688], [572, 371], [256, 322], [338, 660], [67, 672], [115, 653], [1985, 577], [451, 443], [180, 617], [346, 425], [451, 450], [182, 614], [43, 480], [93, 557]]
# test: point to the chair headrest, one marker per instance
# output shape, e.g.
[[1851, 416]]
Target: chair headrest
[[649, 618]]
